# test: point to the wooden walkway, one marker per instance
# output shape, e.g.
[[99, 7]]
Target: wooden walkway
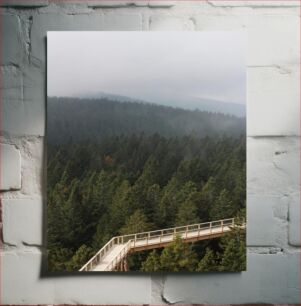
[[112, 255]]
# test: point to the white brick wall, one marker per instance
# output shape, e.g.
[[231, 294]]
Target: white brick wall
[[273, 169], [10, 172]]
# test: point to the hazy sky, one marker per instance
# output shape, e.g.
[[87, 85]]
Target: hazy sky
[[148, 65]]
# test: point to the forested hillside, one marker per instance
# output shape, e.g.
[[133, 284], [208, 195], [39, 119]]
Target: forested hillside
[[120, 168], [79, 120]]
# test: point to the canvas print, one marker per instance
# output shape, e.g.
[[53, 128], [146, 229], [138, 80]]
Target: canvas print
[[146, 151]]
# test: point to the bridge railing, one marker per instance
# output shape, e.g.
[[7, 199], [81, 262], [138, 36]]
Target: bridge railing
[[208, 228], [122, 254], [132, 239], [99, 255], [176, 230]]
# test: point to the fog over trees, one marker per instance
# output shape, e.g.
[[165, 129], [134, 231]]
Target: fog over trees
[[118, 168]]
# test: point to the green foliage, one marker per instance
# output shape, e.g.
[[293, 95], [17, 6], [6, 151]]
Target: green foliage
[[81, 256], [58, 258], [187, 213], [152, 263], [91, 120], [132, 169], [136, 223], [177, 256], [223, 206], [234, 255], [209, 262]]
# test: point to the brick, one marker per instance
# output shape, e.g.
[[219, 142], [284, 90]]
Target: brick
[[11, 84], [10, 167], [23, 106], [22, 221], [118, 3], [250, 3], [294, 221], [12, 45], [110, 3], [277, 89], [23, 284], [160, 3], [122, 22], [269, 37], [91, 22], [107, 4], [261, 218], [273, 165], [163, 23], [265, 281], [21, 279], [33, 166], [268, 34], [24, 3]]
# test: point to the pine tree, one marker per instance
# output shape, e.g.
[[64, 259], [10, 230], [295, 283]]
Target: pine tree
[[81, 256], [152, 263], [187, 213], [136, 223], [234, 255], [178, 256], [223, 206], [209, 262], [120, 208]]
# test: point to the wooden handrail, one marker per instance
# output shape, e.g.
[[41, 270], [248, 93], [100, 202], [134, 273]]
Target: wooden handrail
[[177, 227], [95, 258], [119, 257], [183, 230]]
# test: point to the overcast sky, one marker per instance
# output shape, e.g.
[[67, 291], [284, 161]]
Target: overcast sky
[[148, 65]]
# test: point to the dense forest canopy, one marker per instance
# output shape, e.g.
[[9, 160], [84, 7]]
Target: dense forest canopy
[[81, 120], [119, 168]]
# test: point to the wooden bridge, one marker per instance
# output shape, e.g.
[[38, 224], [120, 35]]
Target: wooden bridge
[[112, 255]]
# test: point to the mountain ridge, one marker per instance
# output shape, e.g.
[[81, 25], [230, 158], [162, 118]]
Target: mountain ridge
[[78, 120], [178, 101]]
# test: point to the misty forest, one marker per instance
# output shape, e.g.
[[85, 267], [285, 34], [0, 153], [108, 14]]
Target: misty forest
[[117, 168]]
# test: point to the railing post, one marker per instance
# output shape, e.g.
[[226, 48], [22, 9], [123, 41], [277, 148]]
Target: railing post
[[222, 226], [186, 232], [210, 228]]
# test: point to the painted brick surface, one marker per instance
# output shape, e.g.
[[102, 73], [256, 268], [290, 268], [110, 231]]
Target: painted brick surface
[[12, 48], [251, 3], [266, 274], [261, 219], [22, 221], [163, 23], [89, 22], [23, 102], [265, 31], [276, 89], [139, 3], [12, 83], [273, 165], [24, 3], [294, 220], [10, 167], [273, 148], [26, 286]]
